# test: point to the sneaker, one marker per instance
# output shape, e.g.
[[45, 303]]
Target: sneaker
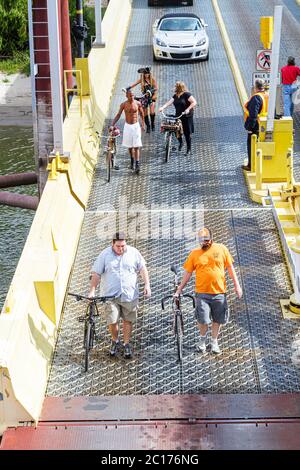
[[137, 167], [201, 346], [127, 351], [114, 347], [215, 347]]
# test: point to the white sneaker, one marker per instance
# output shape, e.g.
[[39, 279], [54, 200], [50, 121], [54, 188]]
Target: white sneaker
[[201, 346], [215, 347]]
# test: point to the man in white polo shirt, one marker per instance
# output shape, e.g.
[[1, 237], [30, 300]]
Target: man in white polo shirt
[[116, 269]]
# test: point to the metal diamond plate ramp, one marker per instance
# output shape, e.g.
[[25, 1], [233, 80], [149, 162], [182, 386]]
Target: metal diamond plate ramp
[[209, 186]]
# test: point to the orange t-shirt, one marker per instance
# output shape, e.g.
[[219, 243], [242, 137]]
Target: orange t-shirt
[[210, 266]]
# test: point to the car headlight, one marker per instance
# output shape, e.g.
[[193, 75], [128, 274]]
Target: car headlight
[[160, 43], [201, 42]]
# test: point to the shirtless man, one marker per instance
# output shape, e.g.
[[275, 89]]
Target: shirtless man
[[132, 129]]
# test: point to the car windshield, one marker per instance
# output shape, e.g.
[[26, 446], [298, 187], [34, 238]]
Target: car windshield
[[180, 24]]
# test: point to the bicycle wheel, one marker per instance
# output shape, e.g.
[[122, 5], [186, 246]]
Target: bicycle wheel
[[87, 346], [114, 155], [178, 336], [168, 146], [108, 166]]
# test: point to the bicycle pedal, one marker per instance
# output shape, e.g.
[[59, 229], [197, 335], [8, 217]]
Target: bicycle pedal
[[116, 167]]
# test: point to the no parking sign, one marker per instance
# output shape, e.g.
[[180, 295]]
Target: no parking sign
[[263, 60]]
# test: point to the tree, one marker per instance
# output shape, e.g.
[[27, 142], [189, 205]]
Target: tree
[[13, 26]]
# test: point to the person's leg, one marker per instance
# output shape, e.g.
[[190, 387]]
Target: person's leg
[[286, 94], [129, 315], [114, 331], [127, 330], [215, 330], [112, 313], [146, 119], [249, 150], [152, 115], [131, 158], [220, 316], [202, 314]]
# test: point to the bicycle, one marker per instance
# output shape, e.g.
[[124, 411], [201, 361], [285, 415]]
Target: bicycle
[[89, 323], [171, 125], [111, 150], [177, 313]]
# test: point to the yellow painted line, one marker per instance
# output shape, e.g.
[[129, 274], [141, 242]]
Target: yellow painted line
[[240, 85]]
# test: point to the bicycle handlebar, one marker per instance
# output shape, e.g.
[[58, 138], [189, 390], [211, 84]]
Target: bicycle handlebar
[[172, 297], [171, 116], [93, 299], [109, 136]]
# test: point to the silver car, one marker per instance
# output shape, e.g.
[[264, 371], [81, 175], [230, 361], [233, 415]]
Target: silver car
[[180, 36]]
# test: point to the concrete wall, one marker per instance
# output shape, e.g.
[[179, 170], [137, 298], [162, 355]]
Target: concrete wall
[[32, 310]]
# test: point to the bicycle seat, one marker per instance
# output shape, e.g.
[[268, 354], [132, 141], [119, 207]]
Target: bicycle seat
[[174, 269]]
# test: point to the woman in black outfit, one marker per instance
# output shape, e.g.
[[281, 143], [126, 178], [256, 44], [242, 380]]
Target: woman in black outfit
[[184, 102]]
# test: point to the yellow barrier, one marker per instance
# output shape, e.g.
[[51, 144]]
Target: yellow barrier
[[32, 310]]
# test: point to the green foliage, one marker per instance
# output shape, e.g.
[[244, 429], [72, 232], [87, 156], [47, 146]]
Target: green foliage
[[13, 26], [20, 62]]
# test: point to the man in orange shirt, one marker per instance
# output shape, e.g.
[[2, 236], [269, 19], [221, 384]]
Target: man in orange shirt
[[210, 262]]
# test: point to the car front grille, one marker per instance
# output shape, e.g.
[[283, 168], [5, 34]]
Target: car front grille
[[181, 47], [181, 56]]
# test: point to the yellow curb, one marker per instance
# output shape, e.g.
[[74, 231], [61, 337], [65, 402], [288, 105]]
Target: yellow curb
[[240, 85]]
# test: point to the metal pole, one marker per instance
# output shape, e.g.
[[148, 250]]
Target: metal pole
[[79, 20], [98, 20], [33, 71], [274, 68], [55, 72]]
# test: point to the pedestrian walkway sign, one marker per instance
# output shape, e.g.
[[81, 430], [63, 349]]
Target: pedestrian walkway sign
[[264, 76], [263, 60]]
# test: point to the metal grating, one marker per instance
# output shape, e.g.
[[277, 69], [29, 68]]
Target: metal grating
[[256, 343]]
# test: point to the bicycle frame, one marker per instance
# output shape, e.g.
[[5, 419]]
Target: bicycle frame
[[172, 121], [110, 151], [177, 312], [89, 323]]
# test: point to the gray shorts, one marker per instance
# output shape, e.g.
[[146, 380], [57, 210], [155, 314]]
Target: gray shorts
[[211, 307], [116, 309]]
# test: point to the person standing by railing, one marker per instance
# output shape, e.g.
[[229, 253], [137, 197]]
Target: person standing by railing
[[289, 74]]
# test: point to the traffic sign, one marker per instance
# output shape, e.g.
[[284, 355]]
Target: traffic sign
[[263, 60], [264, 76]]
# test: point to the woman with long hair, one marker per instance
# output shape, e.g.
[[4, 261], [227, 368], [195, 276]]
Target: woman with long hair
[[184, 103], [148, 82]]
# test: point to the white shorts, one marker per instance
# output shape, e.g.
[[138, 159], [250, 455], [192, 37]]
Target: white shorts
[[132, 135]]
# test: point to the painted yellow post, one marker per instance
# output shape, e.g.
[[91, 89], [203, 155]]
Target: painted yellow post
[[253, 152], [258, 170], [266, 31]]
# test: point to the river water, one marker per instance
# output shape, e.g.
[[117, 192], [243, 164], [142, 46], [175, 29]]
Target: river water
[[16, 156]]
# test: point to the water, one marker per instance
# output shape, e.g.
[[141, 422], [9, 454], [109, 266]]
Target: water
[[16, 156]]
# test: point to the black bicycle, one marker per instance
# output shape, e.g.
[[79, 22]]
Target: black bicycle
[[89, 323], [177, 312], [170, 125]]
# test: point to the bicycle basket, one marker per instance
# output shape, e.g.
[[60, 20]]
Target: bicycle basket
[[170, 125]]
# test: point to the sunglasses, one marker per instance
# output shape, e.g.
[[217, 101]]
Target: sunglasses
[[204, 239]]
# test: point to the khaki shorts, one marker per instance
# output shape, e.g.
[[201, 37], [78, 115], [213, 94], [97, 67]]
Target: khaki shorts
[[116, 309]]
